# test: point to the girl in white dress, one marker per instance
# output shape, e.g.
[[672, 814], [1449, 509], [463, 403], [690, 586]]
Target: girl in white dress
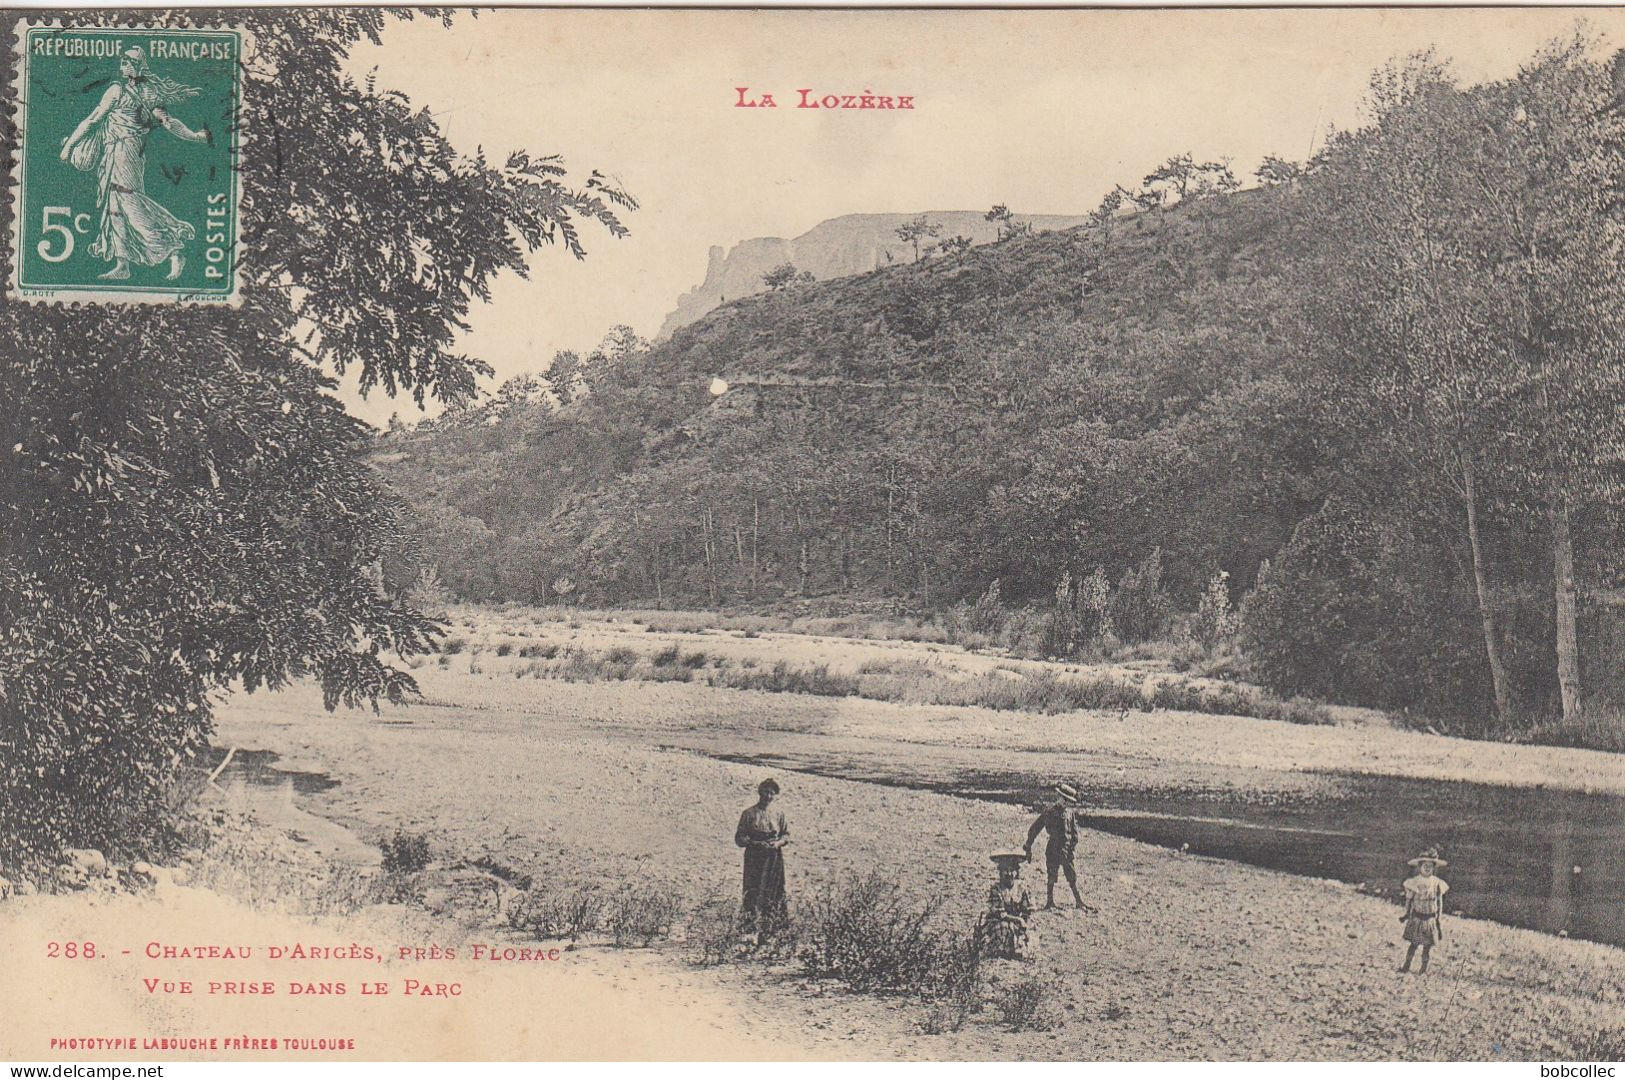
[[1424, 904]]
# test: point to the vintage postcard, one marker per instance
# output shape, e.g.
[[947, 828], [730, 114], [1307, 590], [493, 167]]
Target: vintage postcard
[[811, 535]]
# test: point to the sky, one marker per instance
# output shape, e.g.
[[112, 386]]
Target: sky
[[1043, 111]]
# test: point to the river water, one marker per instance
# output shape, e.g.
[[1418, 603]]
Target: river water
[[1532, 857]]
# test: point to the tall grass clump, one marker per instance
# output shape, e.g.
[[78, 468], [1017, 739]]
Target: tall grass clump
[[784, 679], [1043, 692], [1237, 701]]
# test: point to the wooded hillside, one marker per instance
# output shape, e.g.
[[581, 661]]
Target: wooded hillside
[[1391, 378]]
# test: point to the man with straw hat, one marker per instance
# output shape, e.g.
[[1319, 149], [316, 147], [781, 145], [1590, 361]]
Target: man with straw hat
[[1060, 821], [1002, 931], [1424, 904]]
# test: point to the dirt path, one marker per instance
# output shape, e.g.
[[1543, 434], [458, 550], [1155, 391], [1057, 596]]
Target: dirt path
[[1190, 957]]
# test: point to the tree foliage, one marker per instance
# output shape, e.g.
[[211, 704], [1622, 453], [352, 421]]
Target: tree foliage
[[786, 274], [187, 505], [916, 230]]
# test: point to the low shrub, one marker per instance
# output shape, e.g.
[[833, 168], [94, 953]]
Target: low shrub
[[953, 994], [671, 664], [870, 934], [553, 914], [1188, 656], [714, 930], [401, 888], [1029, 1004], [1031, 634], [666, 673], [1297, 711], [976, 624], [1225, 663], [1047, 692], [945, 1015], [642, 915], [186, 784], [504, 649], [452, 646], [405, 852], [917, 668], [344, 890], [917, 682]]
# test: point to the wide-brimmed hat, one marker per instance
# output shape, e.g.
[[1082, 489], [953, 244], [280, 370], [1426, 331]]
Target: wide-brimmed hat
[[1067, 792], [1008, 858], [1430, 855]]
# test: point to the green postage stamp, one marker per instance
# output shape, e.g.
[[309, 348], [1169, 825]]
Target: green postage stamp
[[127, 185]]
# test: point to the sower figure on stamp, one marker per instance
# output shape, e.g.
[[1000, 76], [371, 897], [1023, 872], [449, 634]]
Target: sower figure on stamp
[[112, 142], [1002, 931], [1060, 822], [763, 834], [1424, 905]]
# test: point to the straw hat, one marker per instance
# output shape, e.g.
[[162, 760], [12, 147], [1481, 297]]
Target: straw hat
[[1431, 855], [1008, 858], [1067, 792]]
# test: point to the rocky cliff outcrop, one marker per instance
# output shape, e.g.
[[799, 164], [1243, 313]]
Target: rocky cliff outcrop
[[853, 244]]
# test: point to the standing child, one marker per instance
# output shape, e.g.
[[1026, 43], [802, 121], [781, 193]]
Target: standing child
[[1061, 822], [1424, 904]]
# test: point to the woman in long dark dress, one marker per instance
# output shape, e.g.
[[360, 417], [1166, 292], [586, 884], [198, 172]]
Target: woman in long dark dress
[[763, 834]]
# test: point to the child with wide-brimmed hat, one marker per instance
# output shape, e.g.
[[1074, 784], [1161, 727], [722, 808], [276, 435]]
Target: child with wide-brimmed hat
[[1002, 930], [1424, 905]]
